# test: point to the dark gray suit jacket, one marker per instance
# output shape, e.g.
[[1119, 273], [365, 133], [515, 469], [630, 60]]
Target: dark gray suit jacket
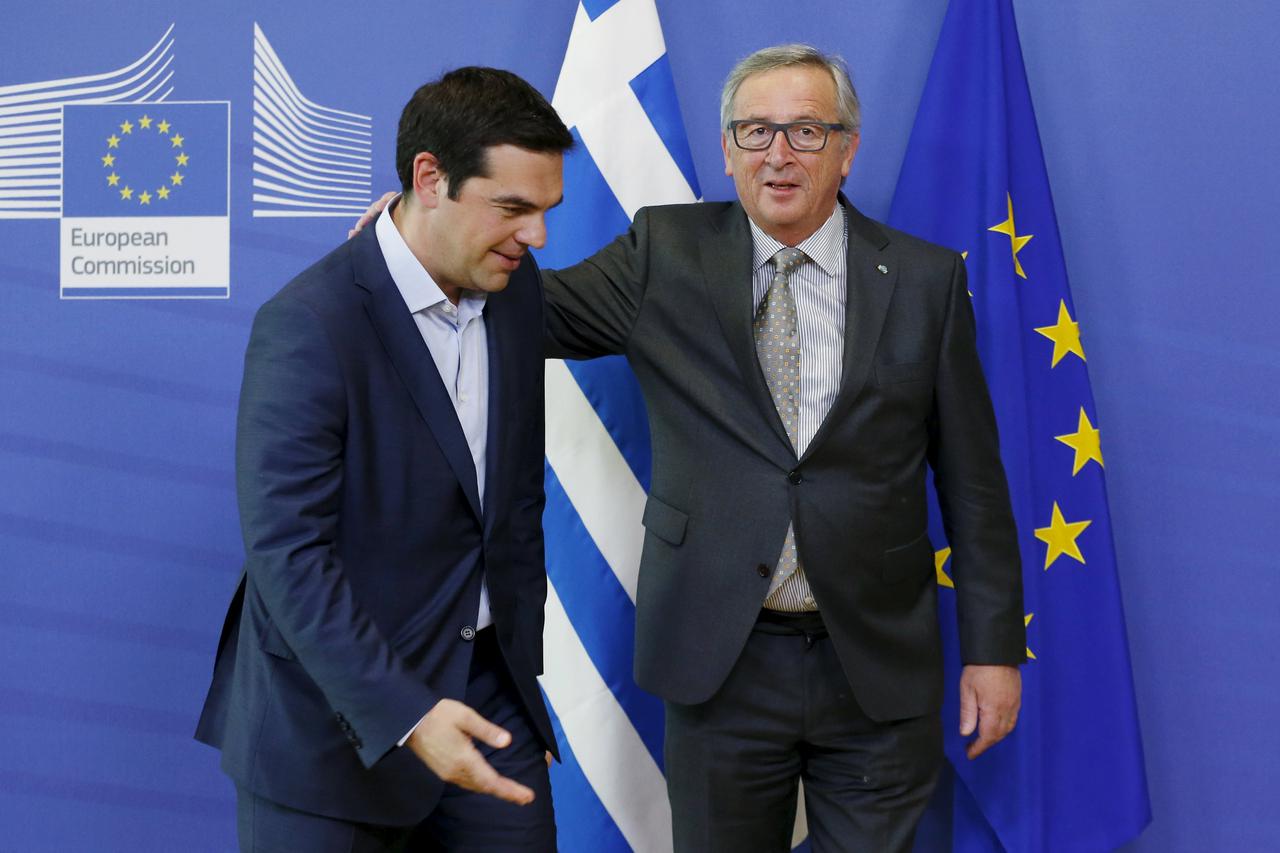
[[674, 296]]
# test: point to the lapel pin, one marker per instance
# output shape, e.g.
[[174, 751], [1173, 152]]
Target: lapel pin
[[883, 269]]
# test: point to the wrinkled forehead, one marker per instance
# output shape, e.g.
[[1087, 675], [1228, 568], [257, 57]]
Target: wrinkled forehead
[[787, 93]]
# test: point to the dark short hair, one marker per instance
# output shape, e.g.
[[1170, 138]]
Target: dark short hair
[[467, 111]]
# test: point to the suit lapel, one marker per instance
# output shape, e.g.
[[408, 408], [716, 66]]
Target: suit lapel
[[412, 360], [726, 255], [866, 305], [499, 331]]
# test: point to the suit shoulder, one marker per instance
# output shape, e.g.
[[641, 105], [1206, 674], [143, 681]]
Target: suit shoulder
[[921, 251], [692, 215], [322, 288]]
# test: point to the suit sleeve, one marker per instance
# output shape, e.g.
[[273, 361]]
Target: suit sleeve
[[529, 499], [973, 494], [289, 466], [592, 306]]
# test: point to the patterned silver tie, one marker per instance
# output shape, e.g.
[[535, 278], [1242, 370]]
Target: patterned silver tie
[[778, 348]]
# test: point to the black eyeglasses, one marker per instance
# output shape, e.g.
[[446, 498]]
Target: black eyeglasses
[[754, 135]]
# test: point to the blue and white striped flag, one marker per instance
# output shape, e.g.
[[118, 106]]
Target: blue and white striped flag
[[616, 94]]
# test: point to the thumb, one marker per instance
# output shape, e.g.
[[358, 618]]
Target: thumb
[[968, 710], [482, 730]]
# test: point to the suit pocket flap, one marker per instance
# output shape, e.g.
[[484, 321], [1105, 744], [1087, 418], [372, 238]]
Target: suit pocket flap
[[665, 522], [891, 374], [273, 643]]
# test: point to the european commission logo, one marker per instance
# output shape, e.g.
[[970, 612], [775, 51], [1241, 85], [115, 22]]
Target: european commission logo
[[145, 200]]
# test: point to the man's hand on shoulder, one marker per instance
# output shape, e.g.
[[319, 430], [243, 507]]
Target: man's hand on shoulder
[[370, 214], [990, 697], [442, 739]]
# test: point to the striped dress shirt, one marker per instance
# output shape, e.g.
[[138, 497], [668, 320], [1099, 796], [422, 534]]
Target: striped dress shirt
[[819, 287]]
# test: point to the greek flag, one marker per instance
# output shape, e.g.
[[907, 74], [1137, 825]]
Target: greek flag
[[616, 94]]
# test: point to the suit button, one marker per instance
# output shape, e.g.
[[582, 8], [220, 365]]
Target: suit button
[[795, 478], [763, 571], [468, 633]]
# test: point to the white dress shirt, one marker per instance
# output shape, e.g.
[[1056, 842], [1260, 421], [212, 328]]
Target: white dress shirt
[[455, 336]]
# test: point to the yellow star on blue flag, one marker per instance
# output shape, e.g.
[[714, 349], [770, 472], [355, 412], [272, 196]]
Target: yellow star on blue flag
[[973, 178], [162, 159]]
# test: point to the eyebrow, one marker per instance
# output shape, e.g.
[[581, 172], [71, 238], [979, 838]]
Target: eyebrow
[[804, 118], [520, 202]]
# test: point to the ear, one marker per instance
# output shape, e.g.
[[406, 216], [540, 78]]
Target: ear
[[429, 183], [724, 146], [850, 150]]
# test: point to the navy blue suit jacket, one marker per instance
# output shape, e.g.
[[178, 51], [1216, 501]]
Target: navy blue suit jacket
[[365, 540]]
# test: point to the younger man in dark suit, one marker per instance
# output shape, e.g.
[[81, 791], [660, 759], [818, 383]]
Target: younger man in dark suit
[[389, 475]]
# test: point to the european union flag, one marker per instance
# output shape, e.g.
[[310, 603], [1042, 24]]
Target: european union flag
[[154, 159], [1071, 776]]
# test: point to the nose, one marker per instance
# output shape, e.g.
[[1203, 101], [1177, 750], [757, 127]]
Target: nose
[[533, 232], [779, 151]]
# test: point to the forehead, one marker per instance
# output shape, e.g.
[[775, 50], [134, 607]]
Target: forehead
[[782, 94], [536, 175], [511, 162]]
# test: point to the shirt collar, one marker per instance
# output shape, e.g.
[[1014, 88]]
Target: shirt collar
[[823, 246], [417, 288]]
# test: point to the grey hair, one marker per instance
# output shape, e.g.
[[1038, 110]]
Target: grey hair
[[786, 55]]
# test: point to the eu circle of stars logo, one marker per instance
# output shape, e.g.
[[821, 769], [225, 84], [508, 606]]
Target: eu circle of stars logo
[[133, 151]]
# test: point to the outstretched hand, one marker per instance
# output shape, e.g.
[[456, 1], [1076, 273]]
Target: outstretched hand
[[990, 697], [442, 739]]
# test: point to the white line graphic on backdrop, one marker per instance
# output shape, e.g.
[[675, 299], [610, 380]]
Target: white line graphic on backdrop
[[308, 160], [31, 126]]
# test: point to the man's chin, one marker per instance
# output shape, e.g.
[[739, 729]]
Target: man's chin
[[493, 283], [782, 207]]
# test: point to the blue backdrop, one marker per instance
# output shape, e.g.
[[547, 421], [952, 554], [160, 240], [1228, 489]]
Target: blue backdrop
[[119, 544]]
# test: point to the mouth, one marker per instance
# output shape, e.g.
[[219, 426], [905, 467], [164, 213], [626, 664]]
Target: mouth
[[506, 261], [781, 187]]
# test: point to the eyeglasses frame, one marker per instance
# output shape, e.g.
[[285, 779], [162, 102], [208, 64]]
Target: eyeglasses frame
[[783, 128]]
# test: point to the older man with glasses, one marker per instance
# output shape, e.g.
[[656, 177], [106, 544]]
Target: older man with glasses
[[801, 365]]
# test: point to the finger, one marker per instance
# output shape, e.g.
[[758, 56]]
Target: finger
[[992, 729], [980, 745], [548, 758], [485, 780], [483, 730], [968, 711], [510, 791]]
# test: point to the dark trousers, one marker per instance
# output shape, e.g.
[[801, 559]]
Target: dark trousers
[[461, 821], [786, 714]]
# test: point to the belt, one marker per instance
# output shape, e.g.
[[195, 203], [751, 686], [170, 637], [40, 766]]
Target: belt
[[808, 622]]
